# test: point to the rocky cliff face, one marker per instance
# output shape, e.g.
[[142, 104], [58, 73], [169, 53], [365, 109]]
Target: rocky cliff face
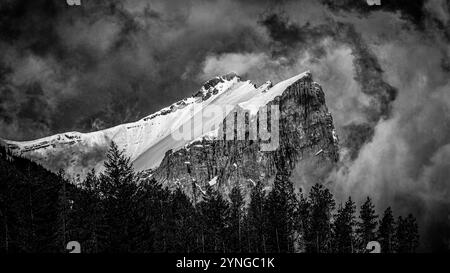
[[306, 132]]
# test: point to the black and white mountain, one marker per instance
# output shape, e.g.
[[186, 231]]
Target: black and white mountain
[[157, 144]]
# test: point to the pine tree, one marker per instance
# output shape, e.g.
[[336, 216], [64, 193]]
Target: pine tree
[[406, 235], [304, 223], [280, 207], [89, 215], [386, 231], [256, 238], [148, 216], [214, 213], [162, 217], [236, 220], [367, 224], [62, 231], [184, 223], [344, 237], [412, 233], [117, 188], [319, 239], [6, 188], [400, 238], [45, 211]]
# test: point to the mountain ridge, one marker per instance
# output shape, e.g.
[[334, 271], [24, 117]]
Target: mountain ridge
[[148, 140], [308, 144]]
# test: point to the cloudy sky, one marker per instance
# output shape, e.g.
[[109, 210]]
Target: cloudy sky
[[385, 71]]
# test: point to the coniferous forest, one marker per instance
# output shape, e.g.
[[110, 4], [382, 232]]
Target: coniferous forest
[[114, 212]]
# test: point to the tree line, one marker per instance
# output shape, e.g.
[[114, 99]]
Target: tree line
[[114, 212]]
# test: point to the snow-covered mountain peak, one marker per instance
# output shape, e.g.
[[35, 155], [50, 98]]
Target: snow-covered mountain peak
[[147, 140], [210, 88], [269, 92], [215, 85]]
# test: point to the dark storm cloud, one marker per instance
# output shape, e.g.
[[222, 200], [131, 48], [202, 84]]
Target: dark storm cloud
[[39, 58], [103, 63], [412, 10]]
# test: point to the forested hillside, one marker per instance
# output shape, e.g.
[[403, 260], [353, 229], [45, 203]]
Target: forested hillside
[[116, 212]]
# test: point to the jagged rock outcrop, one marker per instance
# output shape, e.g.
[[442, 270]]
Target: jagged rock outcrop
[[306, 132]]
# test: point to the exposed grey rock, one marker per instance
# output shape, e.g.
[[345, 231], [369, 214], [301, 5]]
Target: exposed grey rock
[[306, 132]]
